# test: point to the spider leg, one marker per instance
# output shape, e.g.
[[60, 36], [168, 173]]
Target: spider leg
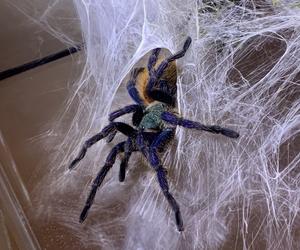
[[162, 96], [182, 52], [163, 183], [161, 140], [131, 85], [174, 120], [154, 75], [110, 128], [126, 110], [158, 94], [158, 144], [131, 88], [141, 143], [137, 117], [158, 141], [111, 136], [165, 87], [143, 140], [164, 64], [128, 149], [110, 160], [135, 108], [153, 58]]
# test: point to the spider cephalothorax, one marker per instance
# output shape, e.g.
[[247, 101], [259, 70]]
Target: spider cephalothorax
[[154, 122]]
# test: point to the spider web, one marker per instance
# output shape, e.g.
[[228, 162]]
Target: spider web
[[241, 72]]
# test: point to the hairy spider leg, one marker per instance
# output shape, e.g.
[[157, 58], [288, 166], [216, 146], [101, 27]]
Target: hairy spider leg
[[133, 92], [137, 116], [175, 120], [144, 140], [153, 59], [128, 149], [164, 64], [136, 109], [131, 88], [110, 160], [165, 87], [154, 75], [110, 128], [131, 85], [160, 141], [163, 183], [141, 143], [111, 136], [123, 111]]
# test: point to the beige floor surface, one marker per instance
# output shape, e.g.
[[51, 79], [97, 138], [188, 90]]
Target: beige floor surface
[[29, 103]]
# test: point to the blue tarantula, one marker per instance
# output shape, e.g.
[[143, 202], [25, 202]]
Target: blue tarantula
[[154, 122]]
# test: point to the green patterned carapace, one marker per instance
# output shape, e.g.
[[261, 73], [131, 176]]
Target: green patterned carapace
[[152, 116]]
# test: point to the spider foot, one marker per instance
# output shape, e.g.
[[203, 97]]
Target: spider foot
[[226, 131], [83, 214], [73, 164], [78, 158], [181, 53], [153, 58], [122, 172], [176, 209], [90, 200], [187, 43], [179, 222]]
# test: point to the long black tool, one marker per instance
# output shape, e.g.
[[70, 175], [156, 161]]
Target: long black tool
[[38, 62]]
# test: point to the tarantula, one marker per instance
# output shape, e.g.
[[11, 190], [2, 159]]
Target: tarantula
[[154, 122]]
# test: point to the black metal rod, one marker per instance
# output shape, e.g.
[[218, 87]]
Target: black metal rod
[[38, 62]]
